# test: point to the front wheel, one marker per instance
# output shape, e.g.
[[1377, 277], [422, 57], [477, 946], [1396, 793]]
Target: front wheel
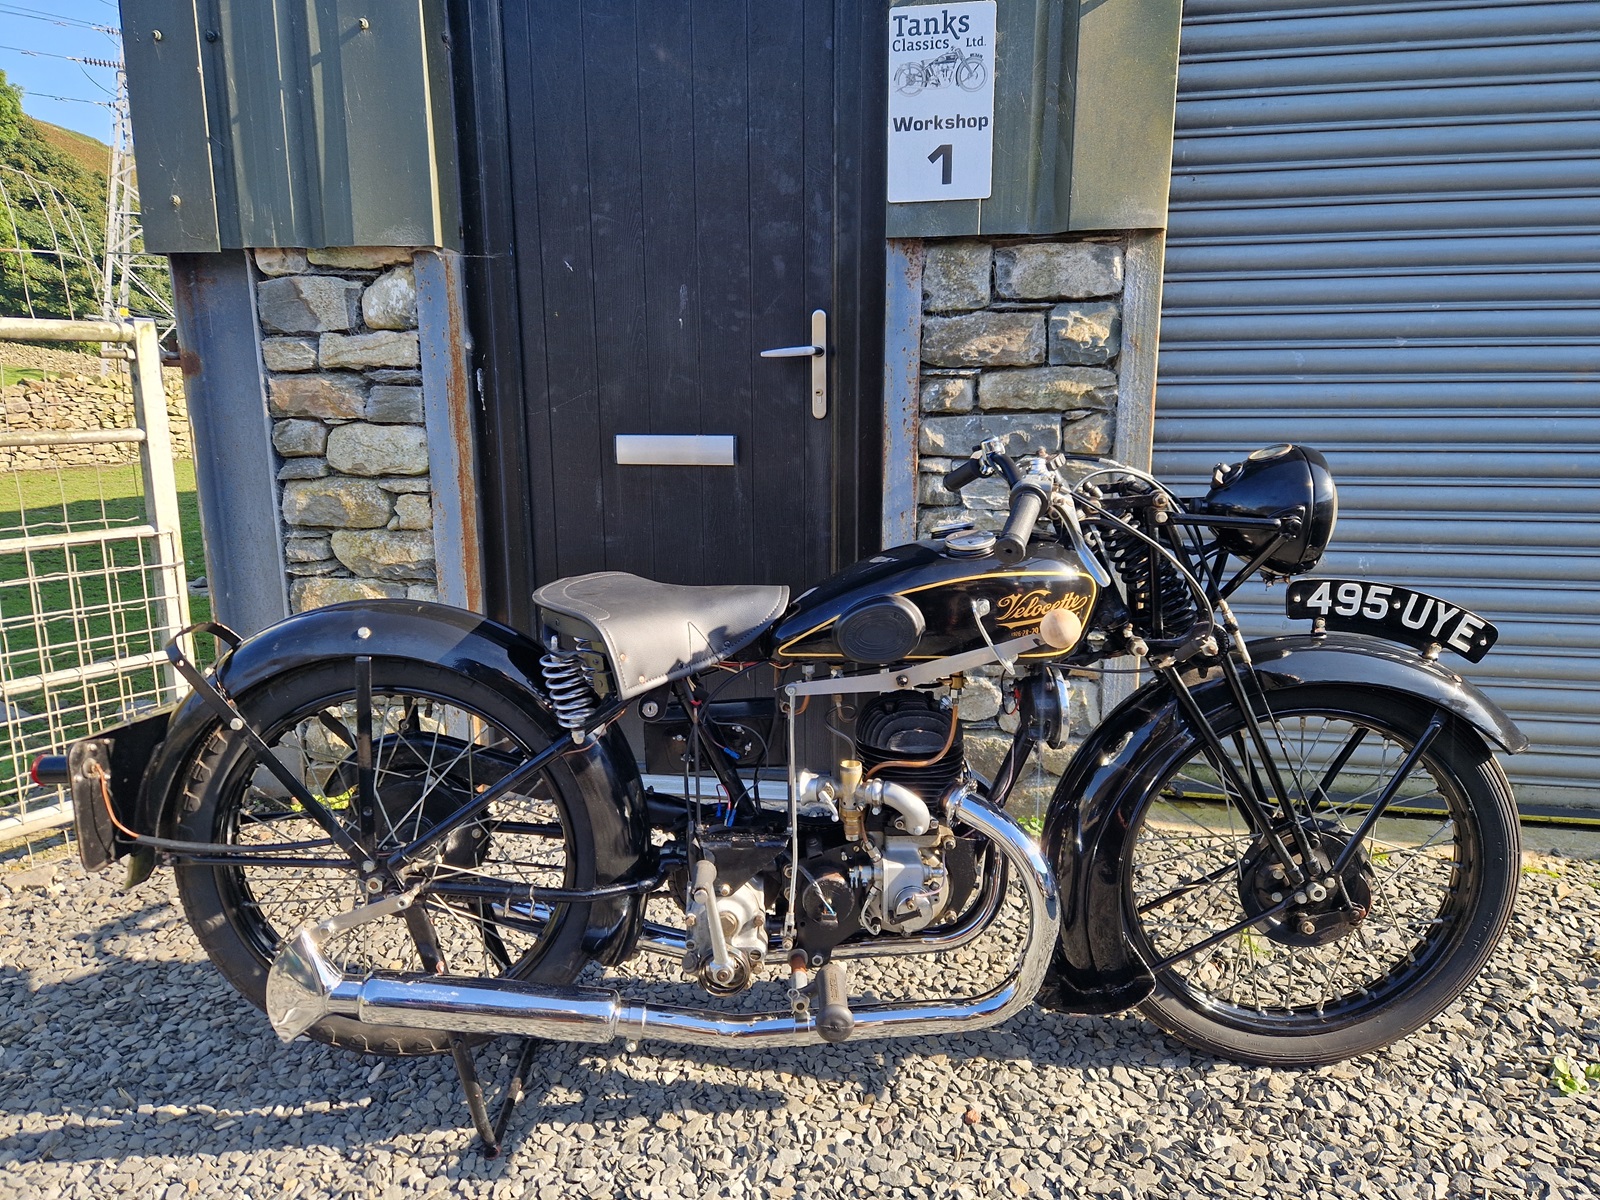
[[1359, 958]]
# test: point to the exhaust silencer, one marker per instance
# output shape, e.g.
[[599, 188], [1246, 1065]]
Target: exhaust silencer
[[303, 988]]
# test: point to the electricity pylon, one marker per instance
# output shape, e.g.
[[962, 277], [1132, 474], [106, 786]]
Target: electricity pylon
[[122, 209]]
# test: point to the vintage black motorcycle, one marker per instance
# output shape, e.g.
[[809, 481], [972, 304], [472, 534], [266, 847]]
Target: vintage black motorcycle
[[398, 827]]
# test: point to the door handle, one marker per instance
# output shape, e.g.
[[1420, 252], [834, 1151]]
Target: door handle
[[817, 352]]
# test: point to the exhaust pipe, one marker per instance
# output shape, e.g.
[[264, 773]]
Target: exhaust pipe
[[303, 988]]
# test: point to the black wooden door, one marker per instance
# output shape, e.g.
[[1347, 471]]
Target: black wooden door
[[681, 189]]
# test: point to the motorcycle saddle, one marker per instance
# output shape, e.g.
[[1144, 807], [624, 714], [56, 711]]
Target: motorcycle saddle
[[653, 632]]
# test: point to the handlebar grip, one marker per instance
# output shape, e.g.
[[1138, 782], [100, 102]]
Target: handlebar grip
[[958, 477], [1026, 505]]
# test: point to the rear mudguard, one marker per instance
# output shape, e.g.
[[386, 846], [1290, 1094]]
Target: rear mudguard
[[1095, 969], [467, 644]]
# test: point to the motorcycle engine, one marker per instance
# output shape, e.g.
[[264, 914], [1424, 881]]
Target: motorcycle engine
[[901, 737], [886, 864]]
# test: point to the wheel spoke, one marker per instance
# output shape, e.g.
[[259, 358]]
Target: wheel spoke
[[1194, 871], [393, 763]]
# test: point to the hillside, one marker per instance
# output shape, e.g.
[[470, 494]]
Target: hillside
[[89, 153]]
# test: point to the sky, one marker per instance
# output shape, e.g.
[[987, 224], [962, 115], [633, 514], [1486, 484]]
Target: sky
[[63, 28]]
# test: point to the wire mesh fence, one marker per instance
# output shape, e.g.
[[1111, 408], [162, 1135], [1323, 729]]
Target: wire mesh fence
[[92, 578]]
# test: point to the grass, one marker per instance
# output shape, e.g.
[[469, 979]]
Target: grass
[[90, 153], [61, 607], [10, 375]]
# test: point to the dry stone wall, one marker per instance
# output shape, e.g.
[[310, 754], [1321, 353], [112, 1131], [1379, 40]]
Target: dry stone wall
[[81, 400], [1019, 339], [344, 389]]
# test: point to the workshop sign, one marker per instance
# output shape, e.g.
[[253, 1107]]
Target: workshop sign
[[941, 101]]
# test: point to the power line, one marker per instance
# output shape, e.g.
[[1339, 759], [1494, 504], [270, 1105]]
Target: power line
[[93, 62], [69, 99], [34, 14]]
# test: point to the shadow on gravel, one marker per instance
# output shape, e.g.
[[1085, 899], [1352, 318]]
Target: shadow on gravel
[[120, 1048], [131, 1048]]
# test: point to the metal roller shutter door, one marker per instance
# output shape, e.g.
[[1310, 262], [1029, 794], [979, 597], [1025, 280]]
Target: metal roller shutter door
[[1385, 243]]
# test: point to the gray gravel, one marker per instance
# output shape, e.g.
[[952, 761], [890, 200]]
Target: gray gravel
[[128, 1068]]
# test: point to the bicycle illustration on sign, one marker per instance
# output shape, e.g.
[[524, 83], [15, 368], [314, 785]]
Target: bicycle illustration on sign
[[966, 71]]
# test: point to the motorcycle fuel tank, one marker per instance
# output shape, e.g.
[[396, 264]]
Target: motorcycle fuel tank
[[916, 602]]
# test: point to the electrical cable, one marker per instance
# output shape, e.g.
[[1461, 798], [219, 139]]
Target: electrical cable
[[34, 14], [107, 63], [70, 99]]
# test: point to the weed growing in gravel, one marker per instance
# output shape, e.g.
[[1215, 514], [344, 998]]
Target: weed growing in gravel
[[1570, 1077]]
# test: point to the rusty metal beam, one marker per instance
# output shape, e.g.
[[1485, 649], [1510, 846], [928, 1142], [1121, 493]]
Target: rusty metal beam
[[452, 431], [902, 376], [235, 466]]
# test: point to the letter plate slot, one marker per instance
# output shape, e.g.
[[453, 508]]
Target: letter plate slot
[[675, 450]]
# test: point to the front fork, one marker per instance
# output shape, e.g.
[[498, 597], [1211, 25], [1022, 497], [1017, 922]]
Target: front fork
[[1261, 790]]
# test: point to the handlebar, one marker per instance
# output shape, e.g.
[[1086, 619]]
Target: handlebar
[[975, 468], [970, 471], [1027, 502], [1028, 496]]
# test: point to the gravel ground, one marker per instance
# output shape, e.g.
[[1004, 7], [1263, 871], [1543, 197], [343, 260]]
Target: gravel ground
[[128, 1068]]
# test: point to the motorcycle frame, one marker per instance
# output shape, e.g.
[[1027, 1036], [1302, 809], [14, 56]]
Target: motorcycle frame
[[1094, 963]]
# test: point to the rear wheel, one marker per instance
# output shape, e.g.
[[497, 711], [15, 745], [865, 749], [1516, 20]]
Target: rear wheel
[[436, 740], [1361, 956], [910, 78]]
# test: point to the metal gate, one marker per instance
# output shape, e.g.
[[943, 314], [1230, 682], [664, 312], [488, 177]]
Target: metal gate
[[92, 582], [1385, 243]]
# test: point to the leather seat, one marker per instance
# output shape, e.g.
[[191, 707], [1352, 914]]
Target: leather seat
[[653, 632]]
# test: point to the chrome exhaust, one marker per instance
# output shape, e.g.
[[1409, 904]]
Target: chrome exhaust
[[303, 987]]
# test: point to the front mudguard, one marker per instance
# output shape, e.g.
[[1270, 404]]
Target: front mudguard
[[1096, 969], [466, 644]]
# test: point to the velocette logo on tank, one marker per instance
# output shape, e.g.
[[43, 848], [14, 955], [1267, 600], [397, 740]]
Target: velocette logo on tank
[[1028, 608], [941, 101]]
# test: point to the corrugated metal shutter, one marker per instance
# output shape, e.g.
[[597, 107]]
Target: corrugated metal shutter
[[1385, 243]]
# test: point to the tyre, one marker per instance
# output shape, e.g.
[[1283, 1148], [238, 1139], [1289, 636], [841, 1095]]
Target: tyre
[[436, 738], [1403, 929], [971, 74], [910, 78]]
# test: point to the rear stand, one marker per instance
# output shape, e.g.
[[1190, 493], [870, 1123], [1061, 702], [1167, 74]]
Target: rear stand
[[417, 922], [492, 1135]]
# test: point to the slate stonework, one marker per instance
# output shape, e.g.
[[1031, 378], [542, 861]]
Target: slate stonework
[[340, 345], [69, 402], [308, 303], [1019, 339]]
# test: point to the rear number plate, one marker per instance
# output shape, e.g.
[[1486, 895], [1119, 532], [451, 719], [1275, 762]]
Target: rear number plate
[[1397, 613]]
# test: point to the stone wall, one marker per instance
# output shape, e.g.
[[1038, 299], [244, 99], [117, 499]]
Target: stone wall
[[344, 389], [68, 403], [1019, 338]]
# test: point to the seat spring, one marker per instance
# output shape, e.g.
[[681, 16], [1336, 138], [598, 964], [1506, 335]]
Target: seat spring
[[570, 682]]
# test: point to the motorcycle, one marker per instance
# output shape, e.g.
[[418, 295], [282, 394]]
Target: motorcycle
[[966, 71], [399, 827]]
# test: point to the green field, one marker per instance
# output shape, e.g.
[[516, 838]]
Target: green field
[[62, 607], [10, 375]]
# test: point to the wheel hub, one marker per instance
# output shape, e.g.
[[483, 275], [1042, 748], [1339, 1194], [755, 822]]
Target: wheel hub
[[399, 794], [1323, 907]]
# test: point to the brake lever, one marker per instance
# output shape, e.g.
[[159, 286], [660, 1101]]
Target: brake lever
[[1064, 505]]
